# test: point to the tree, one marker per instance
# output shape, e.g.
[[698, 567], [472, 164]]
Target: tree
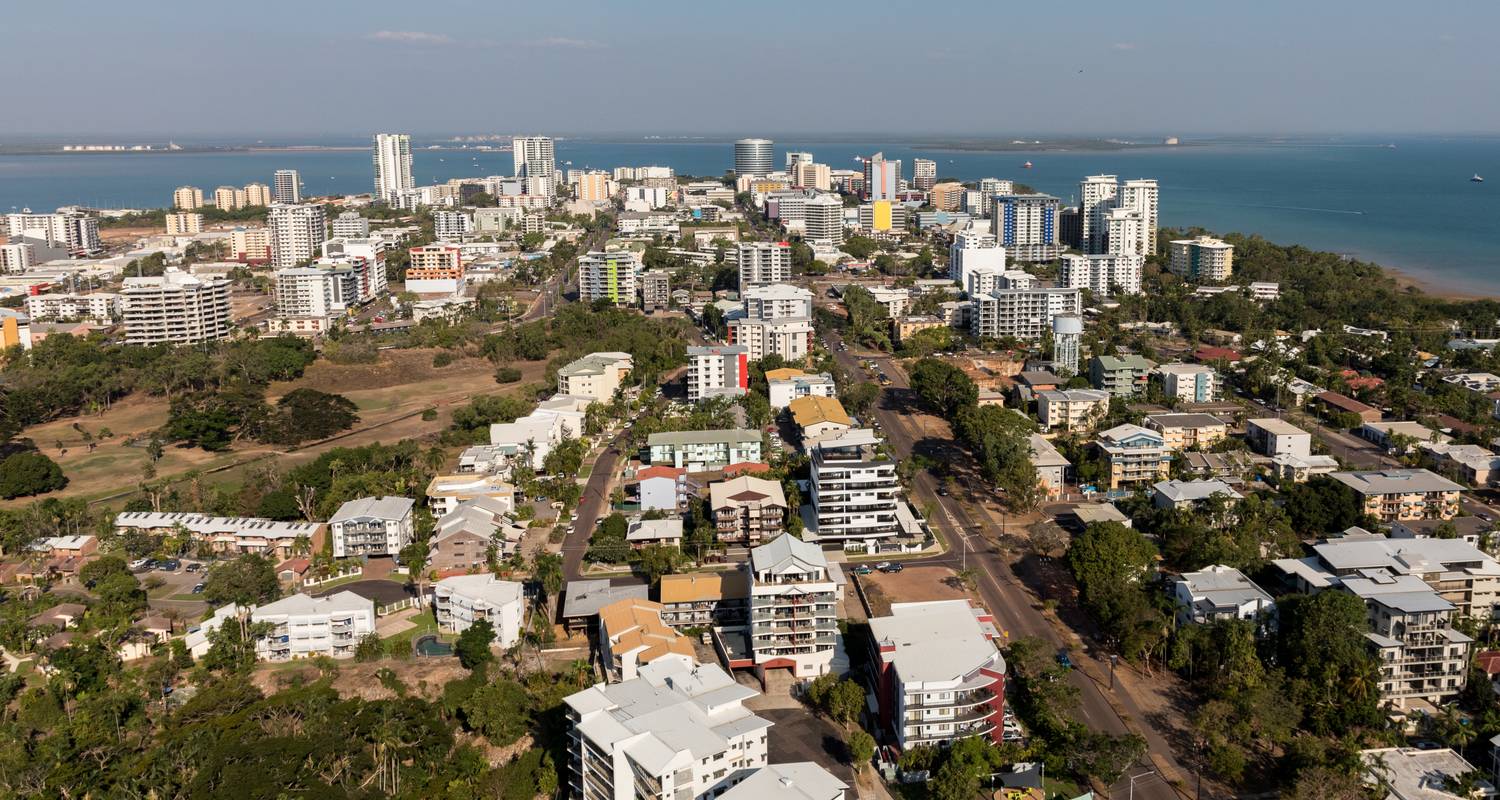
[[501, 711], [370, 648], [307, 414], [859, 397], [1321, 644], [654, 561], [473, 646], [29, 472], [1321, 505], [247, 580], [942, 387], [861, 746]]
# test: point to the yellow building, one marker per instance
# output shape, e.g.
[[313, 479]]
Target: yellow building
[[257, 194], [947, 196], [632, 635], [15, 329], [818, 416], [229, 198], [184, 224], [187, 198]]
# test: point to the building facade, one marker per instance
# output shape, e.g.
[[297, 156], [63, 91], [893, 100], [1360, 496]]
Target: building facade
[[372, 526], [793, 616], [940, 673], [175, 308]]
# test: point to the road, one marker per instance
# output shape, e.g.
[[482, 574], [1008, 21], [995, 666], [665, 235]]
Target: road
[[998, 586]]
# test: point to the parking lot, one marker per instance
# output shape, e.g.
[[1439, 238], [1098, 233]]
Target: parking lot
[[797, 735], [910, 585], [175, 584]]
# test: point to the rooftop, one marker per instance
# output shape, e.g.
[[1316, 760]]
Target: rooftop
[[815, 409], [633, 624], [1408, 773], [1278, 427], [1185, 421], [1179, 491], [1222, 586], [300, 605], [1396, 481], [376, 507], [585, 598], [695, 587], [678, 438], [651, 530], [745, 489], [798, 780], [941, 640], [788, 553]]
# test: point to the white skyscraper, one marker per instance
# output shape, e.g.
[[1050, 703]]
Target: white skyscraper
[[753, 156], [923, 173], [971, 250], [392, 166], [825, 220], [1096, 196], [535, 157], [763, 263], [1102, 198], [296, 233], [287, 186], [1140, 196]]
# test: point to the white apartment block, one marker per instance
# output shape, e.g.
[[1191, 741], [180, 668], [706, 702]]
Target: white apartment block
[[76, 231], [392, 167], [717, 371], [785, 388], [1123, 237], [1021, 313], [184, 223], [101, 307], [1274, 437], [350, 225], [940, 676], [462, 600], [232, 535], [175, 308], [703, 451], [451, 225], [763, 263], [1104, 275], [775, 320], [1203, 259], [16, 257], [296, 233], [304, 626], [676, 731], [1189, 383], [855, 491], [612, 275], [824, 220], [1219, 592], [971, 250], [596, 376], [793, 611], [1073, 409], [286, 187], [372, 526], [1141, 196], [535, 157], [1119, 219]]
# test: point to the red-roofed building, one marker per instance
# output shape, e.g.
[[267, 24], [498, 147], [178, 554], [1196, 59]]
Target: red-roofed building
[[1489, 661], [1334, 401], [293, 571], [662, 488], [1204, 355]]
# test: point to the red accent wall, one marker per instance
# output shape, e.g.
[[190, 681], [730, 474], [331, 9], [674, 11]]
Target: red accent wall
[[744, 370]]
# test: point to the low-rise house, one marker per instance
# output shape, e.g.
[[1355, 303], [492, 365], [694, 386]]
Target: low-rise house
[[582, 600], [230, 535], [662, 488], [704, 599], [674, 731], [293, 571], [1297, 469], [372, 526], [464, 537], [446, 492], [1086, 514], [787, 384], [1183, 431], [1190, 494], [1390, 434], [1219, 592], [1051, 466], [60, 617], [1274, 437], [1335, 403], [940, 675], [485, 459], [1470, 530], [817, 417], [748, 510], [1392, 495], [700, 451], [1472, 464], [1072, 409], [798, 780], [1230, 465], [647, 532], [1121, 376], [632, 635], [462, 600], [1134, 455]]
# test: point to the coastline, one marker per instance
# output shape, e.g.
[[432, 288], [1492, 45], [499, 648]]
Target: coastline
[[1416, 279]]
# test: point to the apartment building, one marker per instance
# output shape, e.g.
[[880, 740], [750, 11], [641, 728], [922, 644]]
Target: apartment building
[[392, 159], [1413, 591], [1186, 431], [747, 510], [1121, 376], [798, 780], [674, 731], [350, 225], [1189, 383], [594, 187], [1274, 437], [940, 673], [286, 186], [1470, 463], [704, 599], [1394, 495], [451, 226], [818, 417], [372, 526], [1135, 455], [466, 537], [228, 198], [175, 308], [296, 233], [611, 275], [855, 491], [257, 194], [717, 371], [793, 615], [71, 229], [701, 451], [182, 223], [656, 290], [1219, 592], [775, 320], [1183, 495], [16, 257], [1105, 275], [824, 221], [632, 635], [596, 376], [787, 384], [974, 249], [435, 269], [15, 330], [1072, 409], [1026, 225], [1021, 313], [1051, 465], [764, 263], [187, 198], [445, 493], [1204, 259], [305, 627], [231, 535], [462, 600], [100, 307], [250, 245]]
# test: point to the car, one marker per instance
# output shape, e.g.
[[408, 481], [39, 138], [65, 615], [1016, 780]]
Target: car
[[197, 588], [895, 568], [598, 520], [170, 565], [862, 569], [194, 567], [139, 564], [1064, 660], [942, 492], [883, 566]]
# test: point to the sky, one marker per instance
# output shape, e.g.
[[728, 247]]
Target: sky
[[322, 68]]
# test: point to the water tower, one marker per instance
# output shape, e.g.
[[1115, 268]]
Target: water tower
[[1067, 338]]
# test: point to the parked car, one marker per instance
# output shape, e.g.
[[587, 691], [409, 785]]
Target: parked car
[[170, 565], [194, 567], [140, 564], [1064, 660], [862, 569], [890, 567], [197, 588]]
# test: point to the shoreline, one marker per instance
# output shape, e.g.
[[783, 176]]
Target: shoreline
[[1433, 287]]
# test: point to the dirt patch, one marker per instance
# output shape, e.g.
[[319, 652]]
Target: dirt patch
[[423, 677], [394, 368], [911, 585]]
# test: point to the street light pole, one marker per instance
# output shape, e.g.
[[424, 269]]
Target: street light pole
[[1133, 779]]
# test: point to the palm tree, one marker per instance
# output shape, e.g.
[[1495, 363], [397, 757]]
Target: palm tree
[[435, 458]]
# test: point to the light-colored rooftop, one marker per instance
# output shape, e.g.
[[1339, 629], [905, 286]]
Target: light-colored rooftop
[[798, 780], [1179, 491], [942, 640], [485, 587], [374, 507], [745, 489], [302, 605], [1407, 773], [1278, 427], [680, 438], [788, 553], [1396, 481]]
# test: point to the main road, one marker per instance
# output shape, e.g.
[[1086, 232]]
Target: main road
[[1002, 593]]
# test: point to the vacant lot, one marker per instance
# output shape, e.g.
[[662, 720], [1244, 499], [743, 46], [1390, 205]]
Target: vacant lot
[[391, 393], [911, 585]]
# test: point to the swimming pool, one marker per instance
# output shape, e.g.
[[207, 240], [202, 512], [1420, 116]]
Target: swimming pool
[[429, 645]]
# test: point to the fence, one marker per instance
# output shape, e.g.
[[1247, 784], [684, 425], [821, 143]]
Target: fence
[[310, 583], [399, 605]]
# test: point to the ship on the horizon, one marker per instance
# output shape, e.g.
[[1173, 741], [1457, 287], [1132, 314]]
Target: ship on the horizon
[[1027, 165], [1477, 178]]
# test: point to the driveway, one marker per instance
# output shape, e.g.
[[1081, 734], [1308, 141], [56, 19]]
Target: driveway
[[797, 735]]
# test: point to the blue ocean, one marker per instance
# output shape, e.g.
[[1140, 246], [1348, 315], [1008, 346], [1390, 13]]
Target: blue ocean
[[1407, 203]]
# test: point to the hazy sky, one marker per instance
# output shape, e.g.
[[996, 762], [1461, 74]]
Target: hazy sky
[[994, 67]]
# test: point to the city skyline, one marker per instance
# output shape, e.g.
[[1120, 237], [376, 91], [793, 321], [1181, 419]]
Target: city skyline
[[1107, 72]]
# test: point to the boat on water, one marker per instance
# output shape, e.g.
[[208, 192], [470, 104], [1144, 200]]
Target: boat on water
[[1477, 178], [1027, 165]]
